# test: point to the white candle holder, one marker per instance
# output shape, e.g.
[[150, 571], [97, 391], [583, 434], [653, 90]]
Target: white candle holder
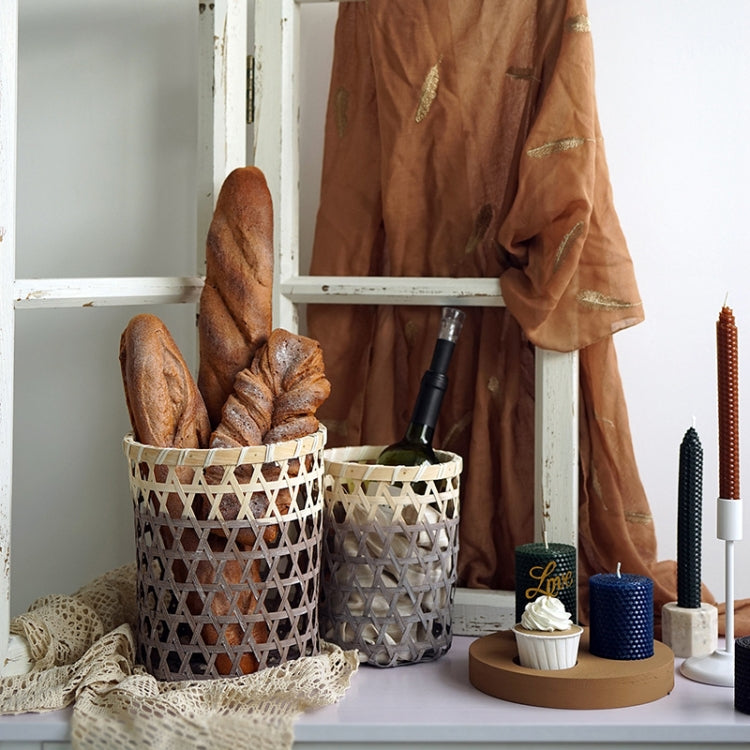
[[718, 668]]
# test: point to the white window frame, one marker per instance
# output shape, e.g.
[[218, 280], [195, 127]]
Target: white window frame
[[222, 137], [222, 124]]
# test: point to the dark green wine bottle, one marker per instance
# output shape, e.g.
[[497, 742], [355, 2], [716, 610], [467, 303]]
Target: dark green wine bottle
[[415, 447]]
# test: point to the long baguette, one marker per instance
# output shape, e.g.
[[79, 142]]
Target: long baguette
[[235, 304]]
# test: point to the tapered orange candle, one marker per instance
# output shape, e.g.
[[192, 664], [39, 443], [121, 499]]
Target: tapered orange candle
[[729, 438]]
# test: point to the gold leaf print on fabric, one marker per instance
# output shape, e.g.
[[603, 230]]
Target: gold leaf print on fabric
[[604, 420], [555, 147], [493, 385], [580, 24], [594, 299], [429, 91], [481, 225], [642, 518], [596, 486], [341, 105], [524, 74], [567, 241]]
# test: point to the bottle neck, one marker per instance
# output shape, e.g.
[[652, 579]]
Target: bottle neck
[[426, 410], [441, 356], [419, 434], [434, 381]]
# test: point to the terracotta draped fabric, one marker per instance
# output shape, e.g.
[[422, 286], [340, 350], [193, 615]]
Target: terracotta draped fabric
[[462, 139]]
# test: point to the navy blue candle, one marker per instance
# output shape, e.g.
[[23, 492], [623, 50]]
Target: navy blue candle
[[621, 616], [742, 675]]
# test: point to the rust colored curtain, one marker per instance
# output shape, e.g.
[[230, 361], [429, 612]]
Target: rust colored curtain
[[462, 139]]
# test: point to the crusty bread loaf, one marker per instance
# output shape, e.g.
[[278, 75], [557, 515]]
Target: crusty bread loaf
[[293, 367], [277, 397], [235, 304], [246, 602], [274, 399], [165, 406], [246, 415]]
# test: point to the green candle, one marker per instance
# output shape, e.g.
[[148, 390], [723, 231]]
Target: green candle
[[546, 570], [689, 521]]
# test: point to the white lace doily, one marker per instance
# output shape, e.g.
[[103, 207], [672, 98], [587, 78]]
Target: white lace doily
[[82, 647]]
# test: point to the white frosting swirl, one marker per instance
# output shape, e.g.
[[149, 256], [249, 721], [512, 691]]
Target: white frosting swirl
[[545, 613]]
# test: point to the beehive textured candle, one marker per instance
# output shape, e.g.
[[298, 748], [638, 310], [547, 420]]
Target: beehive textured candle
[[728, 392], [689, 521], [622, 616], [546, 570], [742, 674]]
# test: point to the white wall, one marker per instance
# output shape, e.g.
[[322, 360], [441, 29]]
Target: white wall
[[672, 91], [106, 165], [106, 158]]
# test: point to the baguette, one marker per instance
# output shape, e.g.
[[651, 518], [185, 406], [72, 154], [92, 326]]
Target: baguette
[[235, 304], [166, 410], [165, 407]]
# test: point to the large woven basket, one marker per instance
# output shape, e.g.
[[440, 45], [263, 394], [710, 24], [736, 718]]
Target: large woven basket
[[389, 556], [227, 595]]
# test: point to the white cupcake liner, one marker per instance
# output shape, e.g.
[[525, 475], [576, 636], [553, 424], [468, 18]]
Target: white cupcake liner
[[544, 650]]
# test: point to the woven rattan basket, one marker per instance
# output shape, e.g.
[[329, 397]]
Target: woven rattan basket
[[227, 595], [389, 556]]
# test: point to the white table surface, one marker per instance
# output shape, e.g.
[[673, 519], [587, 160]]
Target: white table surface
[[435, 702], [435, 705]]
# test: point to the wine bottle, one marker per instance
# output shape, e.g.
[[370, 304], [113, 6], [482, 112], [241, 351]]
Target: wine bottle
[[415, 447]]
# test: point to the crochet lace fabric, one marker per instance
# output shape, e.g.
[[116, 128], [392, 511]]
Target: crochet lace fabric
[[83, 649]]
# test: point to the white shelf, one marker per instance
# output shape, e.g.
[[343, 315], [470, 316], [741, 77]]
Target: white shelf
[[99, 292], [367, 290], [362, 290], [434, 705]]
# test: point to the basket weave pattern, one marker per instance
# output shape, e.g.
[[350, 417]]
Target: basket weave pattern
[[390, 556], [228, 556]]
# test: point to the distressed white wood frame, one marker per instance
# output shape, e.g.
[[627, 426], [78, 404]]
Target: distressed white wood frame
[[222, 136], [222, 139], [8, 120]]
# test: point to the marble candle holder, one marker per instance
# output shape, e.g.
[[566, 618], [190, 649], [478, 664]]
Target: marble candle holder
[[690, 631]]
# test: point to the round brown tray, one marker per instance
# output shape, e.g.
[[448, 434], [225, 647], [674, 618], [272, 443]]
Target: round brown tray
[[592, 683]]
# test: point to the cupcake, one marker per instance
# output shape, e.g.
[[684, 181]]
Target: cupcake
[[546, 637]]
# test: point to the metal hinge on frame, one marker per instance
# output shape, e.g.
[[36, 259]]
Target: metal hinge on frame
[[250, 90]]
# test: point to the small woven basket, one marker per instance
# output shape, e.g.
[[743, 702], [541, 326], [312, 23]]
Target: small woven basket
[[239, 591], [389, 556]]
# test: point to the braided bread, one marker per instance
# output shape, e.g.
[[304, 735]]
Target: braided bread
[[275, 399]]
